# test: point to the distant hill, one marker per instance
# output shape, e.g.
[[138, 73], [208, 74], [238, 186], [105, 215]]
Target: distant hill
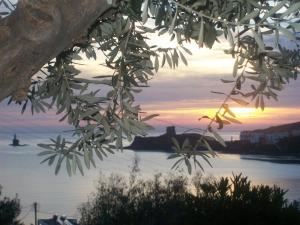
[[280, 128], [163, 143]]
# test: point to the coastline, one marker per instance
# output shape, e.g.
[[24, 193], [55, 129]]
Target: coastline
[[289, 158]]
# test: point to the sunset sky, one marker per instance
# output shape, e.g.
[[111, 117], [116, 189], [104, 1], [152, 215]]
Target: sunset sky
[[180, 96]]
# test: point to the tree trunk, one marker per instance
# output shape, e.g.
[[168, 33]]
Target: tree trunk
[[36, 32]]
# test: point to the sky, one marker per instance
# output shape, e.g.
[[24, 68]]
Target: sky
[[180, 96]]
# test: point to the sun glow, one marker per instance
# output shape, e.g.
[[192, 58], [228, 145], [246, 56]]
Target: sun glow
[[244, 111], [240, 112]]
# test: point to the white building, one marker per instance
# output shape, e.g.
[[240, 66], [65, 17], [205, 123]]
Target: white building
[[271, 135], [57, 220], [252, 137]]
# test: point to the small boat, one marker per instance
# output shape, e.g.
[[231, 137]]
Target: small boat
[[16, 142]]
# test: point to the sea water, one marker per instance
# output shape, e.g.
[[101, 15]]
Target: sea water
[[21, 173]]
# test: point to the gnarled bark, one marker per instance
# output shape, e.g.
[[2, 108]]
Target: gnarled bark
[[36, 32]]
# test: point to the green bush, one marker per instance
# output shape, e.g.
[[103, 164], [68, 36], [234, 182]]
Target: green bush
[[174, 200], [10, 209]]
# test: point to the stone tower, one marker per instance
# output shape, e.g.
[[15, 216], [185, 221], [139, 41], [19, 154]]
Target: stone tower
[[170, 131]]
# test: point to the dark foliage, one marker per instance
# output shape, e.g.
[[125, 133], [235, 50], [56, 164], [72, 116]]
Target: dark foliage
[[291, 143], [10, 209], [176, 201]]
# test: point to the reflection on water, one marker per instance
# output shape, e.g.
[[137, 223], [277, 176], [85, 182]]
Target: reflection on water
[[21, 172]]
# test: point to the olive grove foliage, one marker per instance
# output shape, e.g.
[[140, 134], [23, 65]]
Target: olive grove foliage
[[6, 6], [102, 119]]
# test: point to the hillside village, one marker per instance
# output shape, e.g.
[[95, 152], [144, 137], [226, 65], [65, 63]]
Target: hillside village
[[271, 135]]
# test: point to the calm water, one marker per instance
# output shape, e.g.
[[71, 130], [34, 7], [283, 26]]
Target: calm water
[[22, 173]]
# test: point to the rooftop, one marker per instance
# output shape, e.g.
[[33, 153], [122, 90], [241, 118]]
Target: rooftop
[[57, 220]]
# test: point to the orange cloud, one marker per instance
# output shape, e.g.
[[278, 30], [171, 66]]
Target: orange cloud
[[250, 117]]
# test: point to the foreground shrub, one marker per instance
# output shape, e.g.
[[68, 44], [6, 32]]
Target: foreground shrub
[[174, 200], [10, 209]]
